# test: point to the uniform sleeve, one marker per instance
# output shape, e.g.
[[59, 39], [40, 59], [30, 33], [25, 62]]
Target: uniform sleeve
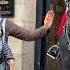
[[23, 34], [6, 51]]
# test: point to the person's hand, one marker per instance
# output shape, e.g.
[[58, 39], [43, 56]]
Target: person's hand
[[49, 19], [11, 64]]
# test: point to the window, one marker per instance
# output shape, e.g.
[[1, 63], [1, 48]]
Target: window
[[7, 8]]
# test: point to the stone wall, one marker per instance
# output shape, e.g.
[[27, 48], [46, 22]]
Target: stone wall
[[25, 16]]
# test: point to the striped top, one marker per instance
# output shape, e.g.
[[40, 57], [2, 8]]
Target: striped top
[[6, 52]]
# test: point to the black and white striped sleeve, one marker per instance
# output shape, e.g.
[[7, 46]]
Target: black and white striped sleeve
[[6, 51]]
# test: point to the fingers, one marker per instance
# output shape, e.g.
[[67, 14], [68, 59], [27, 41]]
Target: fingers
[[50, 14], [11, 62]]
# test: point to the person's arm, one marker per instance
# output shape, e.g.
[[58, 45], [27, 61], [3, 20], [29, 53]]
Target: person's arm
[[23, 34]]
